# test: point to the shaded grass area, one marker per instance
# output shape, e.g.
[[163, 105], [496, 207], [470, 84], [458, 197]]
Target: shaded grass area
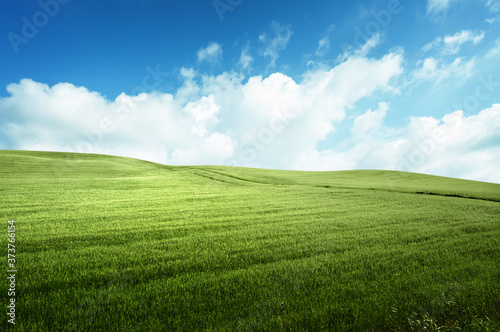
[[116, 244]]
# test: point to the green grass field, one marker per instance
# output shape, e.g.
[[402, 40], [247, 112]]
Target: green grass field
[[116, 244]]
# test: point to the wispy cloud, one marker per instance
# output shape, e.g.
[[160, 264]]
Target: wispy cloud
[[494, 52], [276, 42], [451, 44], [438, 71], [324, 43], [363, 50], [211, 53], [435, 7], [492, 20], [323, 46], [493, 5], [245, 58]]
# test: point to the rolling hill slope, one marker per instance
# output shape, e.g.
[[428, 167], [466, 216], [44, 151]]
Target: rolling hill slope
[[116, 244]]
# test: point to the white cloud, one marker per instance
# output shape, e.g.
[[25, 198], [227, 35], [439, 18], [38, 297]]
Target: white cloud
[[492, 20], [204, 111], [215, 149], [245, 58], [189, 89], [211, 53], [369, 122], [273, 121], [370, 44], [324, 43], [451, 44], [493, 5], [494, 51], [438, 6], [363, 50], [455, 145], [264, 121], [323, 46], [277, 42], [438, 71], [149, 126]]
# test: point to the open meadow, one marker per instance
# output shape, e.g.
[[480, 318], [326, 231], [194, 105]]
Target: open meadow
[[116, 244]]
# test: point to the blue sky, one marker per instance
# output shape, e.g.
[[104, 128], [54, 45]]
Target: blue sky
[[408, 85]]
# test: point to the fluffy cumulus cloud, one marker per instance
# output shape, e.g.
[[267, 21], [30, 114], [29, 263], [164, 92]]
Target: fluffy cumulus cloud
[[261, 121], [272, 122], [455, 145], [149, 126]]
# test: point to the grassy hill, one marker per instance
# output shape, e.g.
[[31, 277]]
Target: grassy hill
[[116, 244]]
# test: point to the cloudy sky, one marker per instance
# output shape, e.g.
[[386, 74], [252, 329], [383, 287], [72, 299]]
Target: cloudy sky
[[286, 84]]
